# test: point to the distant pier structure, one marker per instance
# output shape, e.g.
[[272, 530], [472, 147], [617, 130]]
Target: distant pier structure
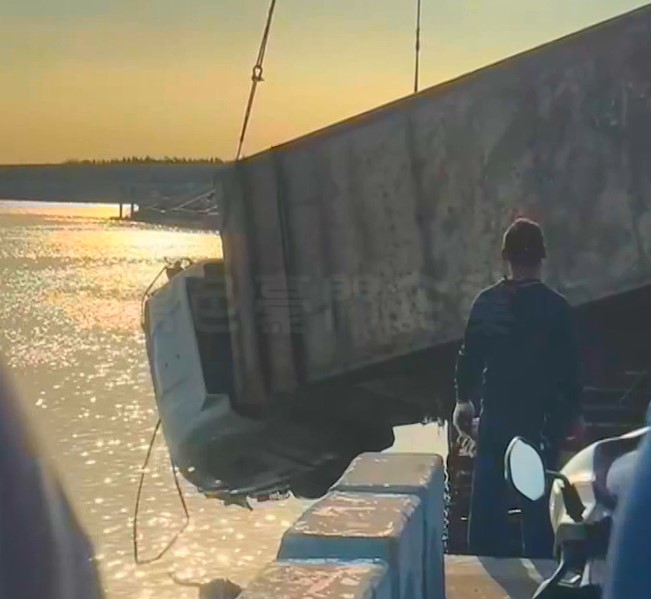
[[195, 208], [127, 198]]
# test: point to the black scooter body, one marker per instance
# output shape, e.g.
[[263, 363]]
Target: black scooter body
[[588, 490]]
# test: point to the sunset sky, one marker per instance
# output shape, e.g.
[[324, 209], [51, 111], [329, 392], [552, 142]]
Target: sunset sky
[[107, 78]]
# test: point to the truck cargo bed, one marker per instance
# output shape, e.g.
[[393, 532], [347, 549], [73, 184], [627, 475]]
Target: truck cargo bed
[[363, 245]]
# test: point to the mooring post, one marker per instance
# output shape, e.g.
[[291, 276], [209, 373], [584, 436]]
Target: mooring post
[[120, 209]]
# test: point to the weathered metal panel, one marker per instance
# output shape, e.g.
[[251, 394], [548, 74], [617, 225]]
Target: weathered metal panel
[[391, 222], [240, 289], [257, 281]]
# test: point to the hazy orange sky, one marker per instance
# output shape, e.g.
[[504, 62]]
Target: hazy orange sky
[[107, 78]]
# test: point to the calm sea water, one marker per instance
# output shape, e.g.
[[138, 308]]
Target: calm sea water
[[72, 282]]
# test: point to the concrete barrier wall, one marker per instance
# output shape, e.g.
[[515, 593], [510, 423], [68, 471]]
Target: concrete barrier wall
[[322, 579], [376, 535], [422, 475]]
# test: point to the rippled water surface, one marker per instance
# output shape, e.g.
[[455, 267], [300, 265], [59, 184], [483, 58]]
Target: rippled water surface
[[72, 282]]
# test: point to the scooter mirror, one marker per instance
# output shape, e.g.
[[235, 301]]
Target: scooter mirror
[[525, 470]]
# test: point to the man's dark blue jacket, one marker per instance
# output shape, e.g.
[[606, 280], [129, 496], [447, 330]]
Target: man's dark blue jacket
[[520, 356]]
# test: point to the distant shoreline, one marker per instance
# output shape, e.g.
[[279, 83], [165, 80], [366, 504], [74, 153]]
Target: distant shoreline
[[134, 161], [89, 202]]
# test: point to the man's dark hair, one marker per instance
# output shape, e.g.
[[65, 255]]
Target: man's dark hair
[[524, 243]]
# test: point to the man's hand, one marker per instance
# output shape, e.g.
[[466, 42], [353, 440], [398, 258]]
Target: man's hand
[[578, 431], [581, 428], [462, 418]]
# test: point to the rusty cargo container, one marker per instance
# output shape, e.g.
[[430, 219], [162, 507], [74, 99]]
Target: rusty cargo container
[[360, 247]]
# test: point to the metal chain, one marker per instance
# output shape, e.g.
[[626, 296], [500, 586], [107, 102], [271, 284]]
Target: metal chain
[[256, 77], [418, 22]]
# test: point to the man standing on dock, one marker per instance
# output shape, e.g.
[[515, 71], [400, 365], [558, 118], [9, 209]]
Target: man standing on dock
[[520, 353]]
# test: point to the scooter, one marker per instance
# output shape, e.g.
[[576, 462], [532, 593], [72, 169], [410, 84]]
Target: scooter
[[583, 498]]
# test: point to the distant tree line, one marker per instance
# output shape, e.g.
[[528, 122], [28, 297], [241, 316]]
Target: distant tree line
[[148, 160]]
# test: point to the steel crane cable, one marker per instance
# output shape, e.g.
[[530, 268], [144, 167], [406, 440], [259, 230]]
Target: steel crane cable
[[256, 77], [418, 24], [258, 68]]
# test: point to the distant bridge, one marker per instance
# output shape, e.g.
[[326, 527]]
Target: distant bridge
[[162, 186]]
